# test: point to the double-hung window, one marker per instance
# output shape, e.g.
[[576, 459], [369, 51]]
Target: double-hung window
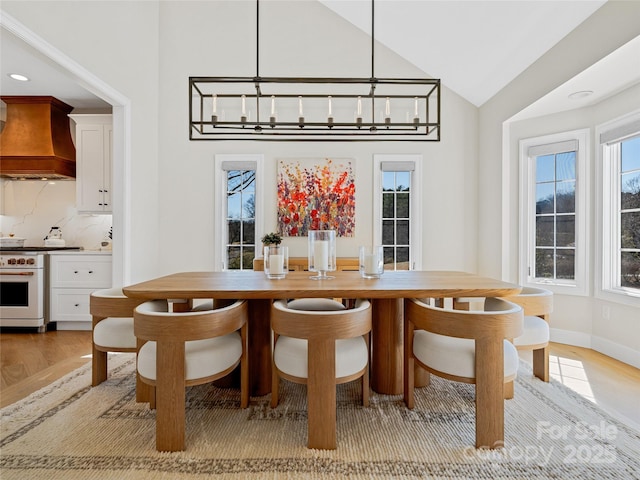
[[396, 210], [237, 208], [553, 229], [620, 219]]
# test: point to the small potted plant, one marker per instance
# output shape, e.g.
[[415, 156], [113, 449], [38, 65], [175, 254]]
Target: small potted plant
[[276, 257], [272, 238]]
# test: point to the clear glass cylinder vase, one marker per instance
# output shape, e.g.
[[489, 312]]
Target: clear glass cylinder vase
[[371, 261], [322, 253], [276, 261]]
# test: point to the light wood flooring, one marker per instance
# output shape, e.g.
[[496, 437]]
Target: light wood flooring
[[29, 361]]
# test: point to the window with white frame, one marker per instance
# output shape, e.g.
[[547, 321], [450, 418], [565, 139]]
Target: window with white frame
[[553, 209], [620, 219], [396, 210], [237, 210]]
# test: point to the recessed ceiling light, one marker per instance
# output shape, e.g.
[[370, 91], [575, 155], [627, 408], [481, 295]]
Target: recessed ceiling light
[[580, 94], [19, 77]]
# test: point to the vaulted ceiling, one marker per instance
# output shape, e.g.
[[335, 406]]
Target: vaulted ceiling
[[475, 46]]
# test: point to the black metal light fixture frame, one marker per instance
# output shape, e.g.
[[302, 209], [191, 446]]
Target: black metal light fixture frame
[[417, 100]]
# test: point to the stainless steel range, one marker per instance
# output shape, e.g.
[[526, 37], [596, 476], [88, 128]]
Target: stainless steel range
[[23, 287]]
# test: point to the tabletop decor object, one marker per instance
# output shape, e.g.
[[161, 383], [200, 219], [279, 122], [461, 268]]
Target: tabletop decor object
[[322, 253], [271, 238], [371, 261], [276, 261]]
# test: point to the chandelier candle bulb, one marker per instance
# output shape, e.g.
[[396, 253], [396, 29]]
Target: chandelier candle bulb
[[214, 109], [300, 113], [273, 106], [387, 111], [243, 117]]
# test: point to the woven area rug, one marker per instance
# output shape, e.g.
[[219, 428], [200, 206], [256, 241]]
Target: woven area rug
[[69, 430]]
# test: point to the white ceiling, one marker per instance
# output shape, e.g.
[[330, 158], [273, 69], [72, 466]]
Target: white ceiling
[[46, 77], [475, 46]]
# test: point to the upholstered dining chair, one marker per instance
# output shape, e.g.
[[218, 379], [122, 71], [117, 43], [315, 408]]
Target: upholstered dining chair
[[112, 331], [320, 343], [537, 304], [184, 349], [469, 347]]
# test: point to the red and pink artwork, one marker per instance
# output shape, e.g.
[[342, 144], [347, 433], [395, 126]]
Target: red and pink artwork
[[316, 194]]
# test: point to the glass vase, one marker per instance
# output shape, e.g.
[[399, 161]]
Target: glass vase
[[322, 253]]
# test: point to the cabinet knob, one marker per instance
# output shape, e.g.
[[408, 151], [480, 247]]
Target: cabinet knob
[[90, 271], [77, 305], [75, 271]]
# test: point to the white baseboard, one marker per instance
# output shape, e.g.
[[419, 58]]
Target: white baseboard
[[569, 337], [607, 347], [617, 351], [73, 325]]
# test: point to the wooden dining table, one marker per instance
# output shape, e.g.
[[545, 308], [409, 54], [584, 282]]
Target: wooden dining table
[[387, 294]]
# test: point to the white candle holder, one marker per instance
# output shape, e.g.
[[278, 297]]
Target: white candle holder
[[322, 253], [371, 261], [276, 261]]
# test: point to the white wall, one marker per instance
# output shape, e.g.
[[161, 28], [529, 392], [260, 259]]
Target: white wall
[[610, 27], [147, 51], [215, 43], [117, 42], [576, 320], [583, 320]]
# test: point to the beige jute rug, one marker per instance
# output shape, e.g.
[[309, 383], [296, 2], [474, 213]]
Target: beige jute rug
[[69, 430]]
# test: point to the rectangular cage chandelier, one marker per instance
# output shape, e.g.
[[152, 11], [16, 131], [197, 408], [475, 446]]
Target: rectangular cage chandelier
[[314, 109]]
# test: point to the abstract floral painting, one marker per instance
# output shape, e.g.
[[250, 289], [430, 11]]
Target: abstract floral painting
[[316, 194]]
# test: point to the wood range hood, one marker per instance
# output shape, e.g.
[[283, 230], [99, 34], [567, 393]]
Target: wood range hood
[[36, 140]]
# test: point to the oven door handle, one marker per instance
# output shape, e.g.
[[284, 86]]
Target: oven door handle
[[28, 274]]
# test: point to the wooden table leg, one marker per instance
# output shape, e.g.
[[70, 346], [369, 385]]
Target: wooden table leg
[[170, 397], [387, 347], [489, 393], [321, 394], [259, 347]]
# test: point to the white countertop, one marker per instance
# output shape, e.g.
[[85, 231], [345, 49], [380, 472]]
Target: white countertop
[[79, 252]]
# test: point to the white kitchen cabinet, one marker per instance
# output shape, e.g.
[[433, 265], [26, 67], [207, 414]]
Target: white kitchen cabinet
[[72, 278], [93, 162]]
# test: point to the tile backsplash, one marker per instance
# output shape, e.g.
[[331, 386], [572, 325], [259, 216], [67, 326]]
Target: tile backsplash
[[30, 208]]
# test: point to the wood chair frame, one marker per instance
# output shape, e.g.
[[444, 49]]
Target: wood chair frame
[[537, 305], [100, 308], [488, 329], [171, 330], [321, 330]]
